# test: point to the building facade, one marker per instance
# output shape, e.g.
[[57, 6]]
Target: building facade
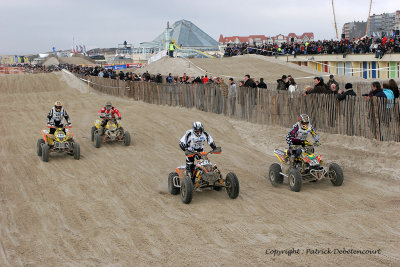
[[355, 29], [384, 24]]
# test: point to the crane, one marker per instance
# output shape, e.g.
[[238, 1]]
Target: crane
[[334, 18], [369, 14]]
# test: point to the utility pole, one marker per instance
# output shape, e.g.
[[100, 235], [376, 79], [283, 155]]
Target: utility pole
[[369, 15], [334, 19]]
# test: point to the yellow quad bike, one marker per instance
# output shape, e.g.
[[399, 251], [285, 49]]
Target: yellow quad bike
[[61, 141], [113, 131], [205, 176], [305, 167]]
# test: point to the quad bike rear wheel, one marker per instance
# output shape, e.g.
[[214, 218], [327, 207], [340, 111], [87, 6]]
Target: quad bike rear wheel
[[173, 190], [186, 190], [295, 179], [127, 138], [77, 151], [45, 152], [97, 140], [336, 174], [275, 175], [40, 142], [232, 185]]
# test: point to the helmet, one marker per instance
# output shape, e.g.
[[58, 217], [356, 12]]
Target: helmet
[[304, 121], [197, 128], [108, 105], [58, 106]]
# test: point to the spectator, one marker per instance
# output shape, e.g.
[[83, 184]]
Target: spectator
[[171, 49], [292, 85], [232, 92], [393, 86], [262, 84], [205, 79], [319, 87], [389, 94], [282, 83], [169, 78], [377, 90], [349, 92], [332, 81], [249, 82], [121, 75], [333, 89]]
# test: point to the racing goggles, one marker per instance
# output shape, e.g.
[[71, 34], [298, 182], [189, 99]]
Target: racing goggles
[[304, 124], [58, 108], [108, 107]]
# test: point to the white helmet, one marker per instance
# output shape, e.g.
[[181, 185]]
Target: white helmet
[[304, 121], [197, 128], [58, 105]]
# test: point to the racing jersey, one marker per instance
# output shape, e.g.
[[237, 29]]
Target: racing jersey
[[190, 141], [297, 135], [113, 111], [57, 116]]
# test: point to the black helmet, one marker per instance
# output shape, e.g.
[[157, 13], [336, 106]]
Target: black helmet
[[197, 128]]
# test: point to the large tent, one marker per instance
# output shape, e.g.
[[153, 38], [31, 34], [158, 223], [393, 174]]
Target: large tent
[[188, 35]]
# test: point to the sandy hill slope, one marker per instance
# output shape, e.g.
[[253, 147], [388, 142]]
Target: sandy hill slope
[[76, 60], [112, 206], [257, 66]]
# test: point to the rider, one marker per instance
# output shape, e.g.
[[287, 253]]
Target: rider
[[55, 116], [193, 140], [109, 112], [298, 135]]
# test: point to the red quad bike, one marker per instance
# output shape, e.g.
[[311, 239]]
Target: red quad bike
[[61, 141], [205, 176]]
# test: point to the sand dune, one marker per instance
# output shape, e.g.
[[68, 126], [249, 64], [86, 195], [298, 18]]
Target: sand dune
[[112, 206]]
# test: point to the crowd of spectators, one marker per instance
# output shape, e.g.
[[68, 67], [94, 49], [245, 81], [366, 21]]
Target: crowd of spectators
[[387, 90], [109, 73], [344, 46]]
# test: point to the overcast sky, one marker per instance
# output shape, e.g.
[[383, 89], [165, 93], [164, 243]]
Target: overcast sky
[[33, 26]]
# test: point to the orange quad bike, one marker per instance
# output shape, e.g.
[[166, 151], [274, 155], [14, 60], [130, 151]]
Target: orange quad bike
[[305, 167], [205, 176], [61, 141]]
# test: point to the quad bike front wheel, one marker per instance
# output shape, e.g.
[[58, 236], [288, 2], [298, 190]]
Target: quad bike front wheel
[[232, 185], [295, 179], [275, 175], [336, 174], [77, 151], [97, 140], [173, 190], [127, 138], [40, 143], [45, 152], [186, 190], [92, 132]]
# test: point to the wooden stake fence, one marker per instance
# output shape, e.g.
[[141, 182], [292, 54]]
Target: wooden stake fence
[[370, 118]]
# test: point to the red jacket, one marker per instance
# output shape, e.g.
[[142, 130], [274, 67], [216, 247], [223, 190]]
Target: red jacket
[[113, 111]]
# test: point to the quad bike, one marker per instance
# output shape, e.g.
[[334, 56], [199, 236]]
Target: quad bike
[[305, 167], [205, 175], [113, 131], [61, 141]]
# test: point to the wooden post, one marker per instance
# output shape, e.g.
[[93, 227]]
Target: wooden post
[[375, 104]]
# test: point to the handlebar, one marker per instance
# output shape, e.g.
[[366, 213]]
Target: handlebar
[[189, 153]]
